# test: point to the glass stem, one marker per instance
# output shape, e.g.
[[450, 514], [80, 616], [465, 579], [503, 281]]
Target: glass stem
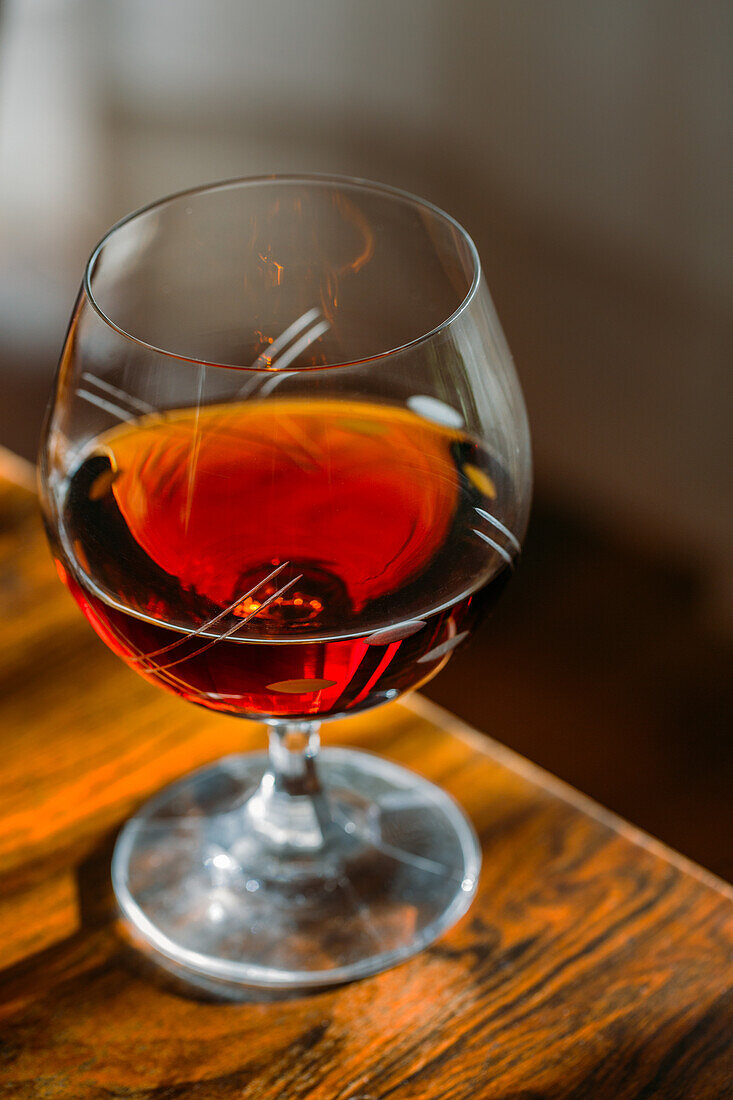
[[290, 808]]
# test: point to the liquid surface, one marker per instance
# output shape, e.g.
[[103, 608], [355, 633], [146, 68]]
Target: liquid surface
[[286, 557]]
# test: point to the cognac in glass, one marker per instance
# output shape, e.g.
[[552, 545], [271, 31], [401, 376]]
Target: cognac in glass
[[286, 470]]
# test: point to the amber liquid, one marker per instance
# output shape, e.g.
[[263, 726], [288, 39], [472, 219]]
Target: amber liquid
[[285, 558]]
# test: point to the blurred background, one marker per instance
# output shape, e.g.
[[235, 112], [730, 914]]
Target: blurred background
[[588, 148]]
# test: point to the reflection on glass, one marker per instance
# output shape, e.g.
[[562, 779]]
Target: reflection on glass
[[286, 471]]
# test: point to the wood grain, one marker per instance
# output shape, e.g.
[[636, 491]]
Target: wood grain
[[594, 962]]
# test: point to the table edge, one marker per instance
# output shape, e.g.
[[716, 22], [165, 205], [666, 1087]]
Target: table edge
[[18, 470], [521, 765]]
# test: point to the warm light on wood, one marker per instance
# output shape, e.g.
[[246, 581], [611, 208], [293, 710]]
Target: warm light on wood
[[594, 963]]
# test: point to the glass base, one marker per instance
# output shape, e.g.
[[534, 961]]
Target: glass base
[[374, 871]]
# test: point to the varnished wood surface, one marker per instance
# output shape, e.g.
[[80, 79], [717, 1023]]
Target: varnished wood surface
[[594, 963]]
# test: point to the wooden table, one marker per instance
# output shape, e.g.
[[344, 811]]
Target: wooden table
[[594, 962]]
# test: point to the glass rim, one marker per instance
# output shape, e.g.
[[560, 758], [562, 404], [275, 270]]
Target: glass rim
[[354, 182]]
